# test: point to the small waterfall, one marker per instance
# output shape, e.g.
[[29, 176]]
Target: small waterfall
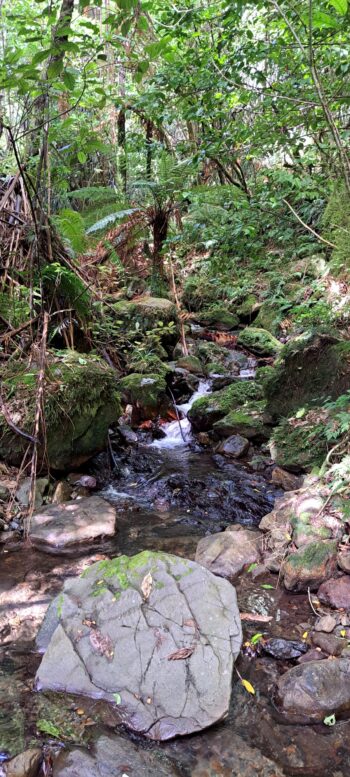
[[174, 435]]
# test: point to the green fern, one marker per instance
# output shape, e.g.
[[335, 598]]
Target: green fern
[[94, 194], [110, 219], [71, 227]]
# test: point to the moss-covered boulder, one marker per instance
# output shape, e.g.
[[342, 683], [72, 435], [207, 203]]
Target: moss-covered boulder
[[268, 318], [191, 364], [207, 410], [249, 422], [310, 565], [310, 368], [212, 354], [217, 317], [259, 341], [146, 394], [146, 313], [300, 443], [247, 308], [80, 404]]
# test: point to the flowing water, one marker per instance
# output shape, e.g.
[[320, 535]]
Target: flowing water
[[168, 495]]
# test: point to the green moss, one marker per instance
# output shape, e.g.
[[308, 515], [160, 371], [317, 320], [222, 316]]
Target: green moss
[[312, 555], [215, 368], [259, 341], [299, 447], [217, 317], [207, 410], [146, 390], [192, 364], [245, 309], [268, 318], [80, 403], [210, 352], [249, 424]]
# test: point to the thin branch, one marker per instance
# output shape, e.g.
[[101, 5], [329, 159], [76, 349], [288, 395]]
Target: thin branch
[[322, 239]]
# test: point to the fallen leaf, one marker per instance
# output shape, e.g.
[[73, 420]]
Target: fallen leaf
[[146, 585], [343, 633], [248, 686], [117, 698], [182, 653], [256, 617], [102, 644], [305, 634]]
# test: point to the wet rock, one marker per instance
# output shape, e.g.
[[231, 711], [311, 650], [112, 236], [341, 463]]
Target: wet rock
[[146, 394], [63, 526], [329, 643], [344, 561], [204, 439], [153, 634], [312, 690], [327, 624], [88, 482], [336, 592], [112, 757], [183, 385], [315, 654], [127, 434], [287, 481], [62, 492], [283, 648], [227, 553], [310, 565], [23, 491], [234, 447], [191, 364], [4, 493], [241, 397], [25, 764], [259, 341]]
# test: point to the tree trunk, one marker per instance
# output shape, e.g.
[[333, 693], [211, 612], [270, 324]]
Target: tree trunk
[[160, 232]]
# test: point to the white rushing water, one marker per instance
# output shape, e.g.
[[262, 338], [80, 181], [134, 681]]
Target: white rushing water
[[174, 434]]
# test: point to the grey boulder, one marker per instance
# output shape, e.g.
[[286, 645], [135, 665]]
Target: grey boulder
[[65, 525], [314, 690], [227, 553], [154, 634], [112, 757]]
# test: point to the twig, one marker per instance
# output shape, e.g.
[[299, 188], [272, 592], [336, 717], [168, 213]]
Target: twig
[[322, 239], [37, 423], [11, 424], [310, 603]]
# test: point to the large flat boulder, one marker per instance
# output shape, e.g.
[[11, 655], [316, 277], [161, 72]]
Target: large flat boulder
[[154, 634], [314, 690], [66, 525]]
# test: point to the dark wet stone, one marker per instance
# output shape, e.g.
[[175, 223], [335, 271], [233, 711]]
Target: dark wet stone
[[329, 643], [336, 592], [312, 655], [155, 635], [283, 648], [234, 447], [310, 691], [112, 757]]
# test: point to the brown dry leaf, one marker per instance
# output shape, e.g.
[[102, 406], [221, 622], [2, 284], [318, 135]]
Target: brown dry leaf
[[252, 616], [181, 654], [103, 645], [146, 585]]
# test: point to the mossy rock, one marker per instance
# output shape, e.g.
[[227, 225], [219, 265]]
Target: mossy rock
[[310, 368], [215, 368], [217, 317], [259, 341], [207, 410], [147, 395], [249, 423], [149, 364], [268, 318], [80, 404], [212, 353], [300, 443], [310, 565], [191, 364], [147, 313], [247, 308]]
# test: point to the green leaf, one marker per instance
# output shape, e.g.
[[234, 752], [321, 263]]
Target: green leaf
[[55, 68], [267, 585], [48, 728], [81, 157], [69, 80], [252, 566], [40, 56], [117, 698], [256, 638], [340, 5], [329, 720]]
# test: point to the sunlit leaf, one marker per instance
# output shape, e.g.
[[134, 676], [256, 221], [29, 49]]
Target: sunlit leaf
[[248, 686]]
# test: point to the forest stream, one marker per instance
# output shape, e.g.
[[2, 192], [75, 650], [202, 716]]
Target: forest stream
[[253, 737]]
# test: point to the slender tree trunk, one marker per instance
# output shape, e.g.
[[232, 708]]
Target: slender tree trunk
[[160, 232]]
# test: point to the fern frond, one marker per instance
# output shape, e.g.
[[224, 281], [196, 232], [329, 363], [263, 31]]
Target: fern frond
[[94, 194], [70, 226], [110, 219]]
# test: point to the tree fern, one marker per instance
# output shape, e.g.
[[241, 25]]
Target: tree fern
[[70, 225]]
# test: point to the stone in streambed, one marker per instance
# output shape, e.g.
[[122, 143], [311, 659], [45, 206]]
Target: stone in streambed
[[313, 690], [155, 635], [329, 643], [344, 561], [287, 481], [336, 592], [234, 447], [283, 648], [310, 565], [112, 757], [327, 624], [25, 764], [62, 526], [227, 553]]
